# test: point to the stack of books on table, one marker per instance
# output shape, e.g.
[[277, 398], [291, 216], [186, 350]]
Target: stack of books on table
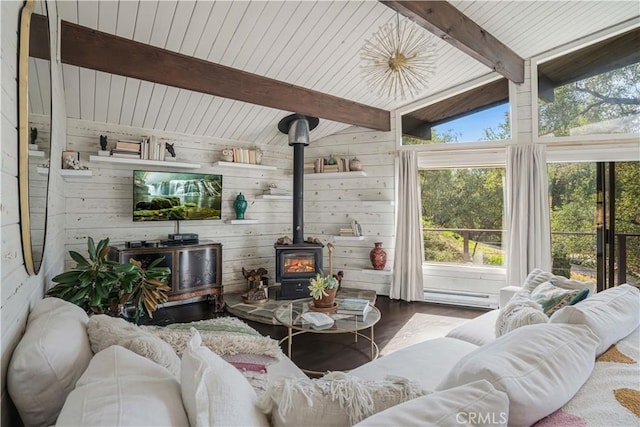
[[126, 149], [353, 306]]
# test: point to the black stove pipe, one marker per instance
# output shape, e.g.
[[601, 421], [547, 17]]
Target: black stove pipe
[[297, 126], [298, 193]]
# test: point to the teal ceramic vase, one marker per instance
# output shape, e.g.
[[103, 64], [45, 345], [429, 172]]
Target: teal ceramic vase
[[240, 205]]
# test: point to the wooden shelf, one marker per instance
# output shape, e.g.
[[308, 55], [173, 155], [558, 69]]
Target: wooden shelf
[[334, 175], [379, 202], [274, 197], [348, 238], [79, 173], [378, 272], [127, 161], [243, 221], [36, 153], [245, 165], [76, 172]]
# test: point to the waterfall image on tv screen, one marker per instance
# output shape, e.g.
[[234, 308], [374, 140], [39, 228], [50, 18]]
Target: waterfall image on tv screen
[[169, 196]]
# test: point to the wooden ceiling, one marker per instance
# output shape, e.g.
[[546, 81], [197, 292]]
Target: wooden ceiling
[[312, 45]]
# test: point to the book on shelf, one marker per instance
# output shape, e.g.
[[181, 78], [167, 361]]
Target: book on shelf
[[128, 145], [356, 306]]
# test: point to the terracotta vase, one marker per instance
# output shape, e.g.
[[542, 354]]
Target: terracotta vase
[[326, 301], [378, 257]]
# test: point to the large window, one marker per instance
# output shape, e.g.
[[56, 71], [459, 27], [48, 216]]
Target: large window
[[462, 212], [595, 90], [577, 212], [479, 114]]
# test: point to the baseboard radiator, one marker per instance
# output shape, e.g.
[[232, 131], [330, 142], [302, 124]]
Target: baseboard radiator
[[468, 299]]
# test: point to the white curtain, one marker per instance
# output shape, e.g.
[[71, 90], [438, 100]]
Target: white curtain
[[527, 211], [407, 270]]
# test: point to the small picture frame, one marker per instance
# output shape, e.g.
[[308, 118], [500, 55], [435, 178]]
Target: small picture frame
[[70, 159]]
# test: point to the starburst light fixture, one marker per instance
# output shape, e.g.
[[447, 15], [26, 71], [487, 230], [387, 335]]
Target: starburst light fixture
[[398, 59]]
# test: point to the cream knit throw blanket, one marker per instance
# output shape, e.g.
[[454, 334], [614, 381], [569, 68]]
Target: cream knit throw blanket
[[224, 336]]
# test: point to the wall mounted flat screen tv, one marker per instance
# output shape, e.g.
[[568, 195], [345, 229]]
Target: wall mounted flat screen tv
[[176, 196]]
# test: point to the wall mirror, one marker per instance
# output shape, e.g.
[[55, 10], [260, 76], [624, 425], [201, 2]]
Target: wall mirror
[[34, 129]]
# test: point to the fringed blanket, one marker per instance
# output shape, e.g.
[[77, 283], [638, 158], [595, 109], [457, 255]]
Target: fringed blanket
[[611, 396], [224, 336], [232, 339]]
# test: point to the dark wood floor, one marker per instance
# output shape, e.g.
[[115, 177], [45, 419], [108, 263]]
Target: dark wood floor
[[402, 324]]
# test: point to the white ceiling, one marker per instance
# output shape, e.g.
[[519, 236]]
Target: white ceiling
[[314, 44]]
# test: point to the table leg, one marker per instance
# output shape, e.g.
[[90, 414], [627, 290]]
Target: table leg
[[372, 352], [289, 342]]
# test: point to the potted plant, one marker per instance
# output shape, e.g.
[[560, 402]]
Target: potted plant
[[99, 285], [323, 291]]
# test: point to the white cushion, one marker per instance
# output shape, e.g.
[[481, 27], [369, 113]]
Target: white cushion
[[337, 399], [537, 277], [105, 331], [611, 314], [48, 360], [521, 310], [540, 367], [425, 363], [474, 404], [214, 392], [478, 331], [121, 388]]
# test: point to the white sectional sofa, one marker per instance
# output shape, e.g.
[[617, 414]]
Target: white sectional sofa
[[469, 377]]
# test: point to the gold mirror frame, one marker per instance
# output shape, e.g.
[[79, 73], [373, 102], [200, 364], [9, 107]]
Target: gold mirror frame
[[27, 43]]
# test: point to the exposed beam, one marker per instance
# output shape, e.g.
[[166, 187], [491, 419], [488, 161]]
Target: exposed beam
[[88, 48], [489, 95], [39, 37], [451, 25], [607, 55]]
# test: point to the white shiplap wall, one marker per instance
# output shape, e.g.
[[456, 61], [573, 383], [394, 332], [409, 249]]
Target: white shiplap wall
[[101, 206], [334, 203], [20, 291]]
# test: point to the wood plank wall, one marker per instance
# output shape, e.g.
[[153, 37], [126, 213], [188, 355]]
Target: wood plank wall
[[331, 204], [20, 291], [101, 206]]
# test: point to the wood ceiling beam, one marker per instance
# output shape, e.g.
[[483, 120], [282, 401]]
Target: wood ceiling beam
[[451, 25], [39, 37], [96, 50]]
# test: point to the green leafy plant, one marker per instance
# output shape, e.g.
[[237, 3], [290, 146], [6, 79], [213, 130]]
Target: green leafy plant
[[97, 284], [319, 284]]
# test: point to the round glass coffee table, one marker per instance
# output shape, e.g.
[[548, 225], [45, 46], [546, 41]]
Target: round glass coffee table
[[290, 316]]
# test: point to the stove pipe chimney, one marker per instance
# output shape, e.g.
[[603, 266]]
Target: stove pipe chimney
[[297, 126]]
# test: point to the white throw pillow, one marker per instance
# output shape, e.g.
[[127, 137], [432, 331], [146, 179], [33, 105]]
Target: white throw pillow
[[48, 360], [540, 367], [538, 277], [611, 314], [521, 310], [214, 392], [105, 331], [121, 388], [337, 399], [474, 404]]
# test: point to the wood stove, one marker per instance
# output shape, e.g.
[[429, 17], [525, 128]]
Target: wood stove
[[299, 262], [295, 266]]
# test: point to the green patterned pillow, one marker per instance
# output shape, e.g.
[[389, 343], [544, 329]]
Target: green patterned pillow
[[552, 298]]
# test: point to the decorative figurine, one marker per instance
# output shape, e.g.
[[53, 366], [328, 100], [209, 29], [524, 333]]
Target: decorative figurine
[[227, 155], [170, 149], [240, 205], [103, 142], [33, 136]]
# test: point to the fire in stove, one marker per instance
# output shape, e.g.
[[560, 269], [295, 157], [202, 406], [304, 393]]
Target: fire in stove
[[299, 265]]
